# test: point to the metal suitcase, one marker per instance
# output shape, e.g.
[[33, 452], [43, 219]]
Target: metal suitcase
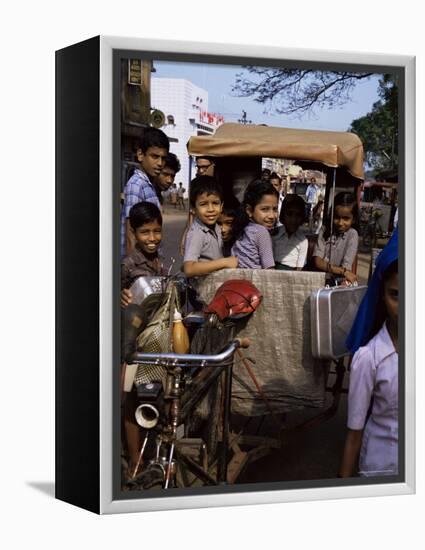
[[333, 310]]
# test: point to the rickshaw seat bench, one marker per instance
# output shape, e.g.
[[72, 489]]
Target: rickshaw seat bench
[[281, 342]]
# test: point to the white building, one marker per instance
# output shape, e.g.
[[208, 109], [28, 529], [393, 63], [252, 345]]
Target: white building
[[185, 107]]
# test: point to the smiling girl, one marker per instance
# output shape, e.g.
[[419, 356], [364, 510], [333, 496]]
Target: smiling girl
[[336, 248], [253, 246]]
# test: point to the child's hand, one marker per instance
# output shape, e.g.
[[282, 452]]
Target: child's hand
[[350, 277], [231, 262], [126, 297]]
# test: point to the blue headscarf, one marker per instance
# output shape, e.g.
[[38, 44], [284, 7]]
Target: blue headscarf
[[361, 331]]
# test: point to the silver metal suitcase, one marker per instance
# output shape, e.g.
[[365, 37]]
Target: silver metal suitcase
[[333, 310]]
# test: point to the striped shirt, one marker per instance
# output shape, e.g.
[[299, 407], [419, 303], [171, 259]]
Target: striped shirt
[[254, 249], [138, 188]]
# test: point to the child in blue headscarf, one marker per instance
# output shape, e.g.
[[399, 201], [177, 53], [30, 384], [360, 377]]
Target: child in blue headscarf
[[373, 391]]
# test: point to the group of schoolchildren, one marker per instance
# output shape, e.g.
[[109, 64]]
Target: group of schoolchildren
[[225, 234]]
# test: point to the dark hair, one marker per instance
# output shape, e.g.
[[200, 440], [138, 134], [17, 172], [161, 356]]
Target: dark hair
[[253, 195], [231, 206], [204, 184], [172, 162], [256, 191], [344, 199], [210, 159], [274, 176], [154, 137], [292, 201], [381, 312], [144, 212]]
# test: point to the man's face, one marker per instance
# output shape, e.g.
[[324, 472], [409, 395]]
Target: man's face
[[153, 161], [166, 178], [276, 184], [204, 167]]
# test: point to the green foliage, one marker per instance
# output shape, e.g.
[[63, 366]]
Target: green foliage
[[378, 130]]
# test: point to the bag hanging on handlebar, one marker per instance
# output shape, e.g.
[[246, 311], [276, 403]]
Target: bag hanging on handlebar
[[156, 338]]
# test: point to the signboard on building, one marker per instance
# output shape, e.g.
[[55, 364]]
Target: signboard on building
[[135, 72], [211, 118]]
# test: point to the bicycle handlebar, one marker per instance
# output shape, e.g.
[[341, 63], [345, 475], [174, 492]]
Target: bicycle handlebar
[[186, 359]]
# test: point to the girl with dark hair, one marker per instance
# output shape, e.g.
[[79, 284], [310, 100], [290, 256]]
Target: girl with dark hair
[[290, 244], [336, 248], [253, 245], [373, 391]]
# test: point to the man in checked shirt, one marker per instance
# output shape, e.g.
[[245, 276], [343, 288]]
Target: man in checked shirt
[[151, 154]]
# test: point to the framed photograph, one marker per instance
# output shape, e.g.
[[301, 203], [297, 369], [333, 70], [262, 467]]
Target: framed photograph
[[235, 275]]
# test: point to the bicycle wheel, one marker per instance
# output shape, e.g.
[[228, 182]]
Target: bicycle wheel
[[150, 478], [212, 426]]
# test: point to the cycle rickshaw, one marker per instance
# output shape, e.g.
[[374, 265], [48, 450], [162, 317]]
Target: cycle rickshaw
[[282, 372]]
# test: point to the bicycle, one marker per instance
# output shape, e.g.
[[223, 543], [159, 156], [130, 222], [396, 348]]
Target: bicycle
[[372, 230], [169, 411]]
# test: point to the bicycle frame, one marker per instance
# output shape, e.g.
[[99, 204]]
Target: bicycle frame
[[183, 402]]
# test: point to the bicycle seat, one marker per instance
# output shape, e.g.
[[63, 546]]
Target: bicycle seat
[[234, 299]]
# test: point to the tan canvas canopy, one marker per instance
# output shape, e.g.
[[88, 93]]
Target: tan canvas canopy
[[334, 149]]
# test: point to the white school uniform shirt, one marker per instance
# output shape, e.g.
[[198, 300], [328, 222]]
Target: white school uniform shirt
[[279, 208], [290, 250], [374, 372]]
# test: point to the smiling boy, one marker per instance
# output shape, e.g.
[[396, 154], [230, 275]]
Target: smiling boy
[[204, 243], [151, 155], [146, 226]]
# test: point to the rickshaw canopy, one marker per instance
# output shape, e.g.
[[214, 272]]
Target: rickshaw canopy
[[333, 149]]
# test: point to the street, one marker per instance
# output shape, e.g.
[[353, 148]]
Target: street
[[174, 222]]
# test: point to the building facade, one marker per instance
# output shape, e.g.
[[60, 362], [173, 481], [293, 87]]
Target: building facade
[[185, 107]]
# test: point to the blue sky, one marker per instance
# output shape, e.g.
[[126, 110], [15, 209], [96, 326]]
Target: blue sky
[[218, 80]]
